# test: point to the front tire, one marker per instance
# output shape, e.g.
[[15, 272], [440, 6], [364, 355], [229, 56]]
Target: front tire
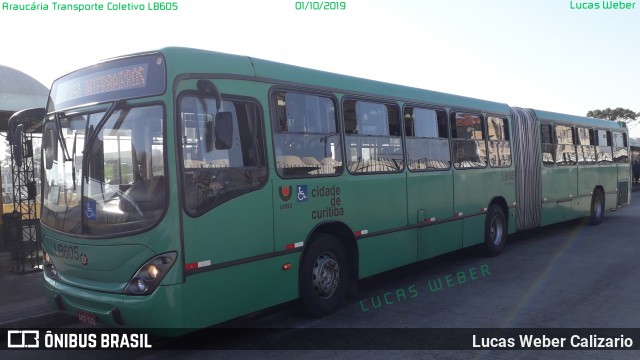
[[324, 276], [495, 232]]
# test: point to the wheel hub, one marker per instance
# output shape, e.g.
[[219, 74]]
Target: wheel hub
[[496, 230], [326, 275]]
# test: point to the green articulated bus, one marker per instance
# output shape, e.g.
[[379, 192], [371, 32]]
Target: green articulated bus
[[183, 188]]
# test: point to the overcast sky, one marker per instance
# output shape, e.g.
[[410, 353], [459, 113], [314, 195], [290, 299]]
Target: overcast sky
[[542, 54]]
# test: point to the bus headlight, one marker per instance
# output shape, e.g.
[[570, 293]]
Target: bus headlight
[[152, 271], [141, 286], [148, 277], [48, 267]]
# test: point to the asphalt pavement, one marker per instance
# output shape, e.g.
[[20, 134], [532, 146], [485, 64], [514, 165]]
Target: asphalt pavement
[[22, 302]]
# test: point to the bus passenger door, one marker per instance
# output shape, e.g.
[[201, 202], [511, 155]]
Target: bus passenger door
[[430, 201], [588, 171], [474, 182], [430, 182], [621, 159], [559, 173], [228, 207]]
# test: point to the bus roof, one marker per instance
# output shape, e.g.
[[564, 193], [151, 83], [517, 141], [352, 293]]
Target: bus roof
[[602, 123], [185, 60], [188, 60]]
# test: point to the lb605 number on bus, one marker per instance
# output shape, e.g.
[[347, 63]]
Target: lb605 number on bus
[[67, 251]]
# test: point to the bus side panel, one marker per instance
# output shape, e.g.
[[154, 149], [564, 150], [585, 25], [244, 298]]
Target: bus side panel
[[512, 219], [624, 183], [300, 204], [468, 200], [386, 252], [439, 239], [550, 213], [235, 230], [230, 292], [473, 230], [559, 187], [377, 205], [430, 199], [609, 181], [495, 183], [588, 178]]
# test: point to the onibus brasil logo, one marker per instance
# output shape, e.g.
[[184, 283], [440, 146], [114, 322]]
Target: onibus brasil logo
[[33, 339]]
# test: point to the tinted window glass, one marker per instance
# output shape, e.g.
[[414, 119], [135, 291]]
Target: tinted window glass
[[373, 137], [427, 139], [214, 173], [499, 145], [306, 138], [468, 140]]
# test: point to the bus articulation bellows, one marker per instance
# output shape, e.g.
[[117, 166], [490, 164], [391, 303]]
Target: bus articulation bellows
[[183, 188]]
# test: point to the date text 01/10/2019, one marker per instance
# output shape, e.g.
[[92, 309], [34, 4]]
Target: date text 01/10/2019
[[321, 5]]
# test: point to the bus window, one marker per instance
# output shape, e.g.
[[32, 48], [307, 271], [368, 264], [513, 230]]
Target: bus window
[[118, 172], [565, 146], [427, 139], [373, 137], [213, 176], [604, 147], [499, 145], [546, 138], [305, 135], [620, 151], [586, 146], [468, 140]]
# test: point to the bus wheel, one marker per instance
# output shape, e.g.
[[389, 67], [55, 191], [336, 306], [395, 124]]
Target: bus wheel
[[597, 208], [495, 231], [324, 275]]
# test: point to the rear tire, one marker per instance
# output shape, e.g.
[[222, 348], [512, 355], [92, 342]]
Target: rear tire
[[597, 208], [495, 231], [324, 276]]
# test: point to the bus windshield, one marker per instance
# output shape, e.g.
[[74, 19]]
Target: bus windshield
[[105, 183]]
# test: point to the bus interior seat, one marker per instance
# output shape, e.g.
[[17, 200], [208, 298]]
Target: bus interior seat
[[311, 161], [287, 161]]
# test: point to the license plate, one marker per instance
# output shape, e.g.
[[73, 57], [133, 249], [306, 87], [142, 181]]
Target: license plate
[[87, 318]]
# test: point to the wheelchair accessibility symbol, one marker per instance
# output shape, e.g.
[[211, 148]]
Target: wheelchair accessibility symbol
[[302, 193], [90, 210]]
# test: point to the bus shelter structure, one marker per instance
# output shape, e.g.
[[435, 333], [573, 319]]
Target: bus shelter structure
[[18, 220]]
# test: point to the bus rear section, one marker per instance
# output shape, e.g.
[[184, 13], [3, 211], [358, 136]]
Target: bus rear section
[[568, 167]]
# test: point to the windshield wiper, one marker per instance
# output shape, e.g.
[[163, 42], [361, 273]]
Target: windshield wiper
[[73, 158], [61, 139], [63, 144], [94, 134]]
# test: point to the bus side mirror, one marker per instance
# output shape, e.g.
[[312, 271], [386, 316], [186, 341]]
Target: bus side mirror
[[49, 144], [219, 133]]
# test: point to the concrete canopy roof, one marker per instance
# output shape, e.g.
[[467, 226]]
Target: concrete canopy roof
[[19, 91]]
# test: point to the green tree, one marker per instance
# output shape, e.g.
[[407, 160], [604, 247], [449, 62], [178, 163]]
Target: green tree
[[614, 114]]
